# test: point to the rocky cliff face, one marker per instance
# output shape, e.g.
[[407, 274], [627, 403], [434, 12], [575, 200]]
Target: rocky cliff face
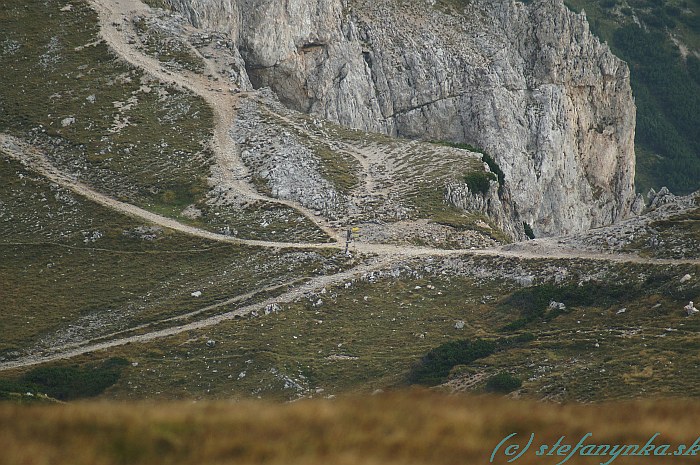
[[529, 84]]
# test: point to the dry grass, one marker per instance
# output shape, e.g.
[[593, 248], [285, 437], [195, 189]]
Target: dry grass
[[415, 427]]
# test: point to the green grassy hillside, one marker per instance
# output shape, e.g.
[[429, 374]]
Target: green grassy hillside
[[76, 272]]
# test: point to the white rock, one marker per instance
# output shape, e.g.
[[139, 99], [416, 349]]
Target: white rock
[[272, 308], [690, 309]]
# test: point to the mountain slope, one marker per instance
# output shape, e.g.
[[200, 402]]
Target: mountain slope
[[169, 231]]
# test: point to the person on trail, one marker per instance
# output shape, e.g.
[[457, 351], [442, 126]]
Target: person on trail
[[348, 238]]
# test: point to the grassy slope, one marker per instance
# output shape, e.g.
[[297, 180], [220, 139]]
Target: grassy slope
[[370, 335], [55, 69], [400, 428], [384, 335], [62, 258], [665, 84], [133, 138]]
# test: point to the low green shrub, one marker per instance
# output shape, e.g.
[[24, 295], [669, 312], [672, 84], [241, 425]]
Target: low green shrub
[[533, 302], [503, 383], [493, 166], [68, 382], [478, 181], [436, 364]]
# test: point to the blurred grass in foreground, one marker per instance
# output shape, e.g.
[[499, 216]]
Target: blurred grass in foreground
[[410, 427]]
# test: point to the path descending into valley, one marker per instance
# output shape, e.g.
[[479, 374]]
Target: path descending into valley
[[115, 19]]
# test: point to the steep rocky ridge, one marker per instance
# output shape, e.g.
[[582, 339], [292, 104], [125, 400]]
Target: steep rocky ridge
[[527, 83]]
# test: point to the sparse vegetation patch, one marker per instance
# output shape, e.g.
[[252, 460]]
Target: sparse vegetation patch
[[503, 383], [130, 136], [65, 382]]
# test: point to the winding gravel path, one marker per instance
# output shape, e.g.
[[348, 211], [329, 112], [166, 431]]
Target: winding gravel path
[[62, 353], [547, 248], [231, 172]]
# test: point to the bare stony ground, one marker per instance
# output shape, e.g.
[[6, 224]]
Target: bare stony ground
[[667, 227]]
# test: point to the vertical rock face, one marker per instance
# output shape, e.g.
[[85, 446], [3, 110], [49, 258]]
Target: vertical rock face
[[529, 84], [220, 15]]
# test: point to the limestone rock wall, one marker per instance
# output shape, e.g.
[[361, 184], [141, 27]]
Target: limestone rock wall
[[529, 84]]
